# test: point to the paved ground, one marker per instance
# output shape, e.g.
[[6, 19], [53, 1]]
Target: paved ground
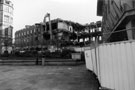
[[46, 78]]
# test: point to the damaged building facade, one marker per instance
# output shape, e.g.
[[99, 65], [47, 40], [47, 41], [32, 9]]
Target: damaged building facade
[[93, 32], [63, 34], [37, 37]]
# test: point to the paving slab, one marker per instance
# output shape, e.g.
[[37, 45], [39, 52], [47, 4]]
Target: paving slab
[[47, 78]]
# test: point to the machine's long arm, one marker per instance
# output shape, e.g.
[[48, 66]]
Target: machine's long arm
[[50, 27]]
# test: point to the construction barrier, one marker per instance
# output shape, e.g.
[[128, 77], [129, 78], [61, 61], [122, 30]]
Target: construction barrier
[[114, 64]]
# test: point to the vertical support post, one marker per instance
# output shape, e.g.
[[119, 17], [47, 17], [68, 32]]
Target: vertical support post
[[131, 32], [50, 27], [43, 60]]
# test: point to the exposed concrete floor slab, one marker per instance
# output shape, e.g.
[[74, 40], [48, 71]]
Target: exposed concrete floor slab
[[46, 78]]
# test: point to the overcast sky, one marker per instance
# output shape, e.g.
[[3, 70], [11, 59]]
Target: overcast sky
[[29, 12]]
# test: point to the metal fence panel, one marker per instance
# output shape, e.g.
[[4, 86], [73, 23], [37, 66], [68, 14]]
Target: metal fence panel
[[114, 64], [94, 61], [88, 60]]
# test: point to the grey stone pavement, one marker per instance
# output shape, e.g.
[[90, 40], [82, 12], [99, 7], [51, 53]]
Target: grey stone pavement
[[47, 78]]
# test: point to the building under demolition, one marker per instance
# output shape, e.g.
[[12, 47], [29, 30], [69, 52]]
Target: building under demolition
[[93, 33], [38, 36], [63, 33]]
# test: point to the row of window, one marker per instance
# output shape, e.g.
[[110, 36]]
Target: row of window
[[25, 33], [95, 30], [19, 41], [8, 19], [26, 40], [6, 32], [92, 39], [8, 9]]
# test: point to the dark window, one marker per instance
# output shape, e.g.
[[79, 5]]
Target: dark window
[[6, 31], [54, 26]]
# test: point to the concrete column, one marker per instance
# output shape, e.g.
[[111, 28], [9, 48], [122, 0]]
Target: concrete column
[[130, 33], [43, 61]]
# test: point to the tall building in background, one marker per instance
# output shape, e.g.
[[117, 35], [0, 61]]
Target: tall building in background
[[6, 25], [117, 15]]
